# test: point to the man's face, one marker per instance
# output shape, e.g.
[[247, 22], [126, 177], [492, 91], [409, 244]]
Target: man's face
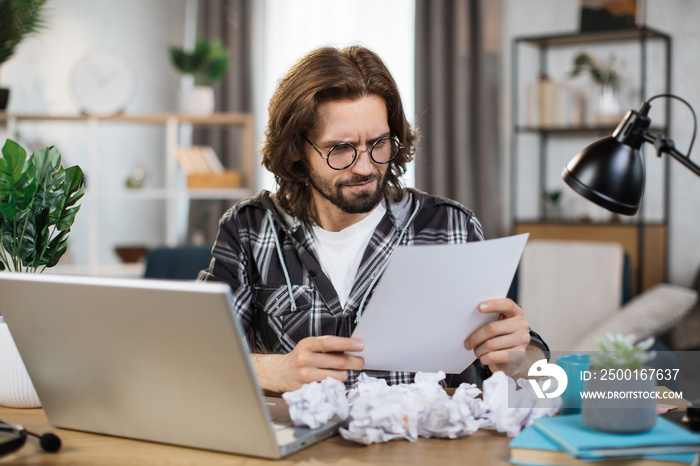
[[360, 187]]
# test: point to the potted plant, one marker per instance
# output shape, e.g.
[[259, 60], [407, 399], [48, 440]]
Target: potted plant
[[206, 64], [609, 107], [552, 206], [19, 18], [38, 204], [619, 374]]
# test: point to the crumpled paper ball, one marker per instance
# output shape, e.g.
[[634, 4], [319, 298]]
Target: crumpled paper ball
[[364, 385], [523, 407], [384, 416], [458, 416], [379, 412], [317, 403]]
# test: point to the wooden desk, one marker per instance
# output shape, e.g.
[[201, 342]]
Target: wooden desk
[[483, 448]]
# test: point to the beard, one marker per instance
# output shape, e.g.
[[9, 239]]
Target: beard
[[357, 202]]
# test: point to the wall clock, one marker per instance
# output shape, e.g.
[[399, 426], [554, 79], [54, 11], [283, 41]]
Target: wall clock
[[104, 83]]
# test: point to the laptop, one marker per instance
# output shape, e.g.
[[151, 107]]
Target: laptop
[[156, 360]]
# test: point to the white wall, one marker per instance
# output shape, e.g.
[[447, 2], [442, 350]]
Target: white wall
[[39, 73], [39, 76], [678, 18]]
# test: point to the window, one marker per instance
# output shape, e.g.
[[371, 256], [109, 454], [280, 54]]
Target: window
[[290, 28]]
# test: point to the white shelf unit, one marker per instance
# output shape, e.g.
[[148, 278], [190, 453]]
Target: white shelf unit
[[172, 191]]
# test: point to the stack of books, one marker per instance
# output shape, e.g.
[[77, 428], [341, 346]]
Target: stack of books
[[566, 441], [205, 170]]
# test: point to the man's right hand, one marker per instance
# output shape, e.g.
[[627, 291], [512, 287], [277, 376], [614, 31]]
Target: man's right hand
[[312, 360]]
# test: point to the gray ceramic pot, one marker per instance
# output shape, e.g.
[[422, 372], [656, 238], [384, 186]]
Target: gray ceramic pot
[[628, 405]]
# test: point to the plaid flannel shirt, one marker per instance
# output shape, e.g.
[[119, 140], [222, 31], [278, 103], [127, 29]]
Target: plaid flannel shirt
[[280, 293]]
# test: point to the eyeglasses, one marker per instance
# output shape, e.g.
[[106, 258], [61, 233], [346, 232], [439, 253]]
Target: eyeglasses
[[341, 156]]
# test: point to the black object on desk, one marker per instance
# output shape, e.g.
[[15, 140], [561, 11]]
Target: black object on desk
[[688, 419]]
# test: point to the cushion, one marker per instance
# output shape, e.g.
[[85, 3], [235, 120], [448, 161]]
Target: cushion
[[651, 313], [686, 335]]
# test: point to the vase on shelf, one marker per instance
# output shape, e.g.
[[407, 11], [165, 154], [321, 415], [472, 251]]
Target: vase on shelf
[[552, 211], [609, 106], [198, 100]]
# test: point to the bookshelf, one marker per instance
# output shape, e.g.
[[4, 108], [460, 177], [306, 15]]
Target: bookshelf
[[535, 166], [167, 198]]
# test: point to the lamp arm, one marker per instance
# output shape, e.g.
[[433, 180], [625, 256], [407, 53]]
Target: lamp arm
[[667, 146]]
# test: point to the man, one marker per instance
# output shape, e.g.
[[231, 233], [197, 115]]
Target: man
[[302, 263]]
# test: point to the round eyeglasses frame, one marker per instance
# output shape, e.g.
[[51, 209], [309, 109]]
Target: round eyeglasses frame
[[347, 144]]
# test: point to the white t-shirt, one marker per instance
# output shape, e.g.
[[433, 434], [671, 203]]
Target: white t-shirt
[[340, 253]]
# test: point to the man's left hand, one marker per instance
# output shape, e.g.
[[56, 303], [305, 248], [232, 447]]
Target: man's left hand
[[492, 342]]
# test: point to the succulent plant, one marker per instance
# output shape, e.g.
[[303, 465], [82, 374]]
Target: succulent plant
[[622, 352]]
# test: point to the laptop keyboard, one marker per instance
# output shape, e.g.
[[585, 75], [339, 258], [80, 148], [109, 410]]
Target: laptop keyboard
[[279, 413], [281, 424]]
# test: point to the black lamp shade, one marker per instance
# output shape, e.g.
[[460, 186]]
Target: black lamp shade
[[609, 173]]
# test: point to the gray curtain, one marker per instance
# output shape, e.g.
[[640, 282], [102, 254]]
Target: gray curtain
[[457, 103], [229, 21]]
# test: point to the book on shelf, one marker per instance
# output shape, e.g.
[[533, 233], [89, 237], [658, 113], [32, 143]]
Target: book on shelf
[[550, 103], [532, 447], [204, 169], [199, 159], [211, 159], [580, 441]]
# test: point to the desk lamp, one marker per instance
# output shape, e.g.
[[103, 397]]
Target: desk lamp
[[610, 172]]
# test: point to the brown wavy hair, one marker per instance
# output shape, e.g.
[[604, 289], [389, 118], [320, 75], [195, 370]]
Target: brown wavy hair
[[323, 75]]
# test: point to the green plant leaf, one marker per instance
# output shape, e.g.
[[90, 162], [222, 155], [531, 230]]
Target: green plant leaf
[[56, 248], [216, 68], [67, 219], [181, 60], [622, 352], [17, 183], [18, 19], [37, 244], [50, 178], [36, 236], [207, 62], [73, 191]]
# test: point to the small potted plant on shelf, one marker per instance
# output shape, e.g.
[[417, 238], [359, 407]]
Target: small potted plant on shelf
[[619, 369], [609, 107], [552, 205], [18, 19], [207, 64], [38, 204]]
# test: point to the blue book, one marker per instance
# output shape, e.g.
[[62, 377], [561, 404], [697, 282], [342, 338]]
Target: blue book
[[531, 447], [580, 441]]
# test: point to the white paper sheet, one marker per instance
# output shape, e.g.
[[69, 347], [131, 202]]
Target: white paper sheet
[[425, 304]]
